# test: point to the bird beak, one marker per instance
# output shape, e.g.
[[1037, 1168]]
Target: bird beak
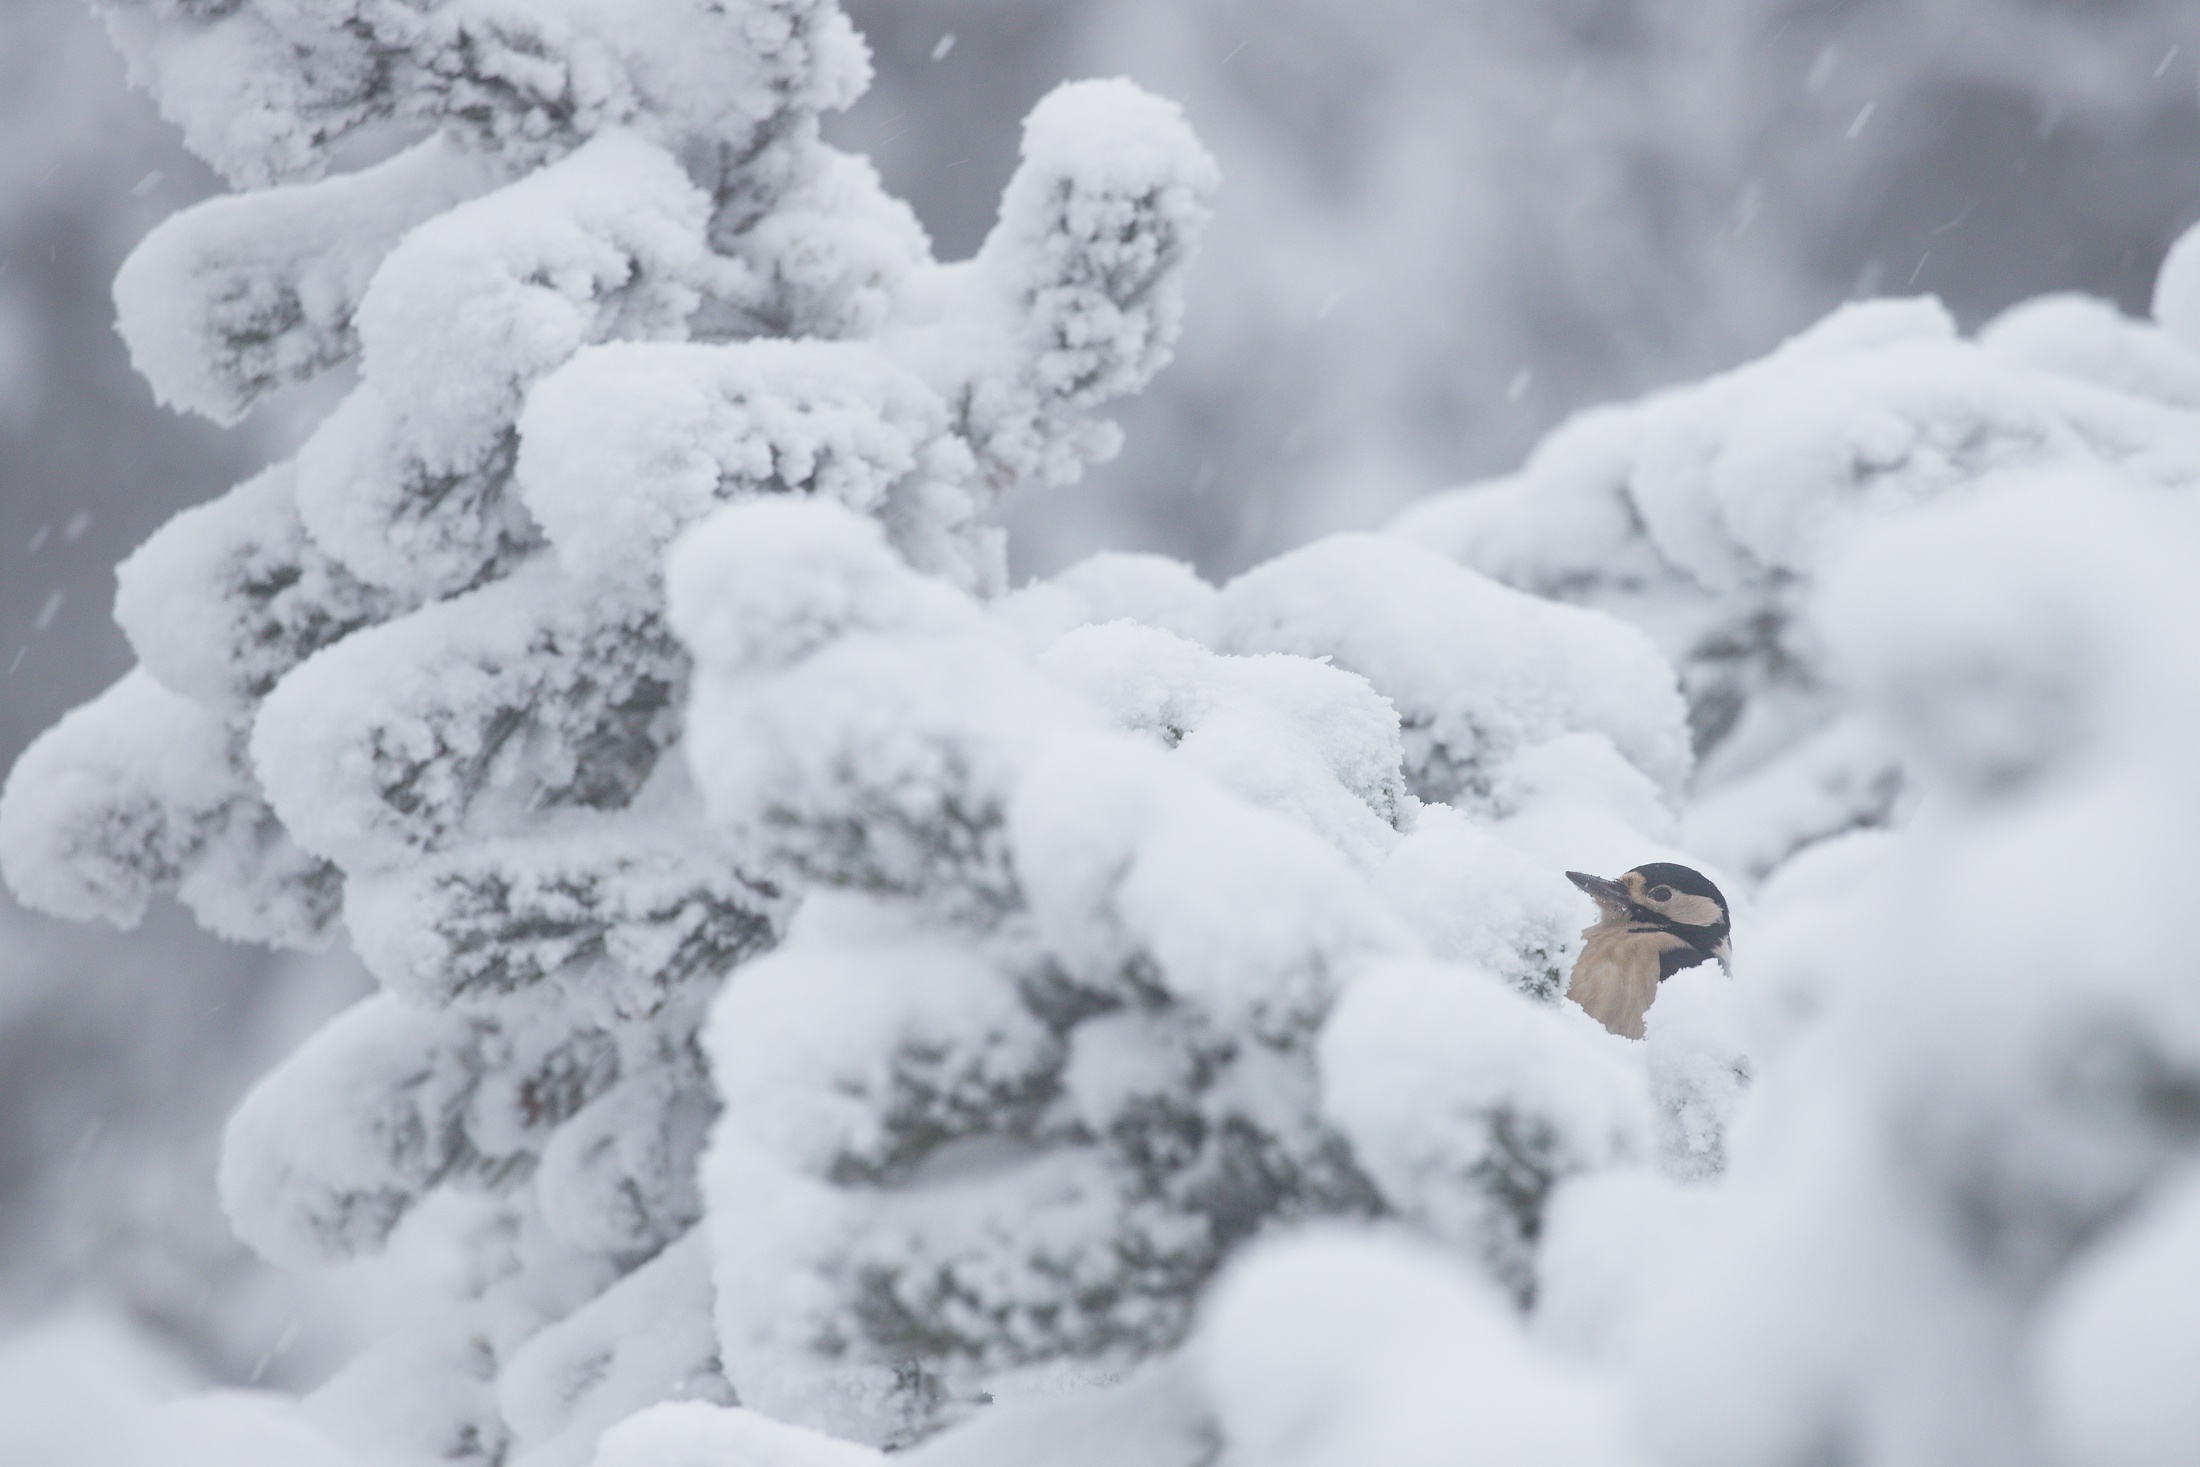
[[1610, 892]]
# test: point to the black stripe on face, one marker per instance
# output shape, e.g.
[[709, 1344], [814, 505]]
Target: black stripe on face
[[1679, 959]]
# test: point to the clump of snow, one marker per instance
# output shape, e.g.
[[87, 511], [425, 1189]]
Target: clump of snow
[[690, 1434], [405, 483], [1699, 1064], [469, 716], [268, 89], [627, 916], [1095, 227], [645, 1340], [1477, 671], [251, 293], [329, 1152], [630, 445], [761, 590], [1474, 898], [1468, 1103], [2114, 1348], [2176, 306], [2090, 341], [1608, 1236], [140, 791], [1152, 590], [228, 597], [1287, 733], [1338, 1348], [1706, 514]]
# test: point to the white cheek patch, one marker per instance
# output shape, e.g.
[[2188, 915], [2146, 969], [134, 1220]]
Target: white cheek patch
[[1691, 910]]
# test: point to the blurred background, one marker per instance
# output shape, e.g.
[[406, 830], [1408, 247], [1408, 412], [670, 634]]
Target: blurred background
[[1445, 225]]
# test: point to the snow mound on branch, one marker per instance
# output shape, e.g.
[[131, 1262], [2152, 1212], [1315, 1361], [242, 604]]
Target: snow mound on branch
[[814, 1050], [1288, 734], [1700, 1070], [110, 803], [1476, 899], [1608, 1236], [326, 1154], [1076, 296], [2114, 1350], [627, 446], [246, 294], [2089, 340], [646, 1339], [2176, 304], [692, 1434], [1340, 1348], [1477, 671], [1986, 1088], [1753, 473], [1152, 590], [469, 717], [229, 596], [1468, 1103], [141, 791], [463, 318], [1112, 187], [265, 90], [2036, 660], [765, 588], [1131, 862]]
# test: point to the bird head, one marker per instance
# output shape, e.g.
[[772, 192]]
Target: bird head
[[1672, 898]]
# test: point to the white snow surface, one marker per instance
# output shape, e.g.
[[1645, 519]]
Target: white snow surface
[[1342, 1348], [249, 293], [266, 90], [1126, 1009], [1468, 1102], [1085, 899], [2114, 1350]]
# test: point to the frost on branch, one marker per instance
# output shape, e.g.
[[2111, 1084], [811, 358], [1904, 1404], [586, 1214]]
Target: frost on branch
[[1058, 1027], [248, 294], [141, 791], [631, 444], [598, 277], [267, 90], [226, 598]]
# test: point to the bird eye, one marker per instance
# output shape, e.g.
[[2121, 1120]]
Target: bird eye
[[1661, 893]]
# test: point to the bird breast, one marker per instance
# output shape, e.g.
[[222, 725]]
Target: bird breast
[[1616, 977]]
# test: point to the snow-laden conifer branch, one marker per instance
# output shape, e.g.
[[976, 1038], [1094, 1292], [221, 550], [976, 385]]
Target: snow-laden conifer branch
[[420, 678]]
